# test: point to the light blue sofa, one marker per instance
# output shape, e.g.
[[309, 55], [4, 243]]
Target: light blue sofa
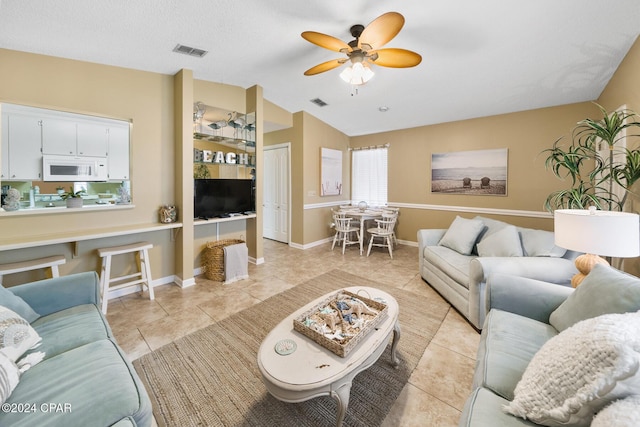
[[461, 278], [521, 317], [84, 372]]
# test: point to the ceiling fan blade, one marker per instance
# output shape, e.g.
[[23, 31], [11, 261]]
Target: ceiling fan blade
[[325, 41], [381, 30], [325, 66], [396, 58]]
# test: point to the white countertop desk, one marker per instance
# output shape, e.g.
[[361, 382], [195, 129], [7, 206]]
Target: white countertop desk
[[95, 233]]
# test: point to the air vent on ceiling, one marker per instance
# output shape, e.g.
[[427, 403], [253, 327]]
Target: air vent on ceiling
[[319, 102], [187, 50]]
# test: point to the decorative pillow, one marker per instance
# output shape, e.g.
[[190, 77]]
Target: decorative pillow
[[504, 242], [540, 243], [462, 235], [17, 304], [605, 290], [490, 226], [579, 371], [621, 413], [16, 335], [9, 377]]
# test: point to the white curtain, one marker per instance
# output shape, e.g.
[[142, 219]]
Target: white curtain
[[369, 176]]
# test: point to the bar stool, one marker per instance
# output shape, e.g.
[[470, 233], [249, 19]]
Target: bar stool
[[51, 262], [142, 277]]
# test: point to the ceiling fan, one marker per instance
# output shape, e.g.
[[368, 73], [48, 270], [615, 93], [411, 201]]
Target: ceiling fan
[[365, 50]]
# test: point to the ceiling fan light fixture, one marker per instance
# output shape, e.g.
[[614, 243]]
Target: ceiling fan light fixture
[[357, 74]]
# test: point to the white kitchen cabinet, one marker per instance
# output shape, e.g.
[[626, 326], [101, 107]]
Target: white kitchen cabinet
[[93, 139], [58, 136], [24, 143], [42, 131], [74, 137], [118, 158]]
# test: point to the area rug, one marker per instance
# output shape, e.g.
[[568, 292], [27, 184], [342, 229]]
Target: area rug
[[211, 377]]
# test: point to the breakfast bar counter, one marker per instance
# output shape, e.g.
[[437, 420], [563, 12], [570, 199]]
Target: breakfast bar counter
[[95, 233]]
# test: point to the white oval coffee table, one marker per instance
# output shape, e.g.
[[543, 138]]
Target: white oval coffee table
[[312, 370]]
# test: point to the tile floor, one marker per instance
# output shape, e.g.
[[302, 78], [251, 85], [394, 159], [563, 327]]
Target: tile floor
[[438, 387]]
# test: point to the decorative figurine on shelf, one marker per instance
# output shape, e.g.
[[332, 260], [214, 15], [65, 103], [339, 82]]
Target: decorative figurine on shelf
[[168, 214], [12, 200], [123, 196]]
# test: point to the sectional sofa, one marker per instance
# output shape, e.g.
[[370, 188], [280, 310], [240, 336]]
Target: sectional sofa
[[457, 261], [553, 356], [65, 369]]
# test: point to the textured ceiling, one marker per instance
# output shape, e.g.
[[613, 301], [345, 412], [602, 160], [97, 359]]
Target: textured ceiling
[[480, 58]]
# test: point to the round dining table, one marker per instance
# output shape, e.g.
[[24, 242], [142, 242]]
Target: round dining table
[[362, 216]]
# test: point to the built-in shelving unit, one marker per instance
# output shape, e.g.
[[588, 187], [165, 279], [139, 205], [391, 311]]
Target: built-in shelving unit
[[224, 143]]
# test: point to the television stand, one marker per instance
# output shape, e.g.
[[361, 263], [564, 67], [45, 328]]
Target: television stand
[[217, 221]]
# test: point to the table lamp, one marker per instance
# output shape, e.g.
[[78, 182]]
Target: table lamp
[[595, 232]]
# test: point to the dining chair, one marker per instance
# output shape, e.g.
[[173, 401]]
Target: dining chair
[[389, 212], [344, 231], [384, 232]]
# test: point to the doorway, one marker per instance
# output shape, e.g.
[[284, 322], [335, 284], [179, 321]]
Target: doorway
[[276, 192]]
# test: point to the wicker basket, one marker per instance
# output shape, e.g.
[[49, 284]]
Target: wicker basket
[[342, 349], [213, 258]]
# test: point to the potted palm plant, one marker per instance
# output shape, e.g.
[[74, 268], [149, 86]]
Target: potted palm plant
[[73, 199], [593, 175]]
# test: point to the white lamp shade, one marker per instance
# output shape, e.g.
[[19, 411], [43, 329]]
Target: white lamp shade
[[605, 233]]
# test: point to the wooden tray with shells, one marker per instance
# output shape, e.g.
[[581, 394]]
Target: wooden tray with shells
[[341, 321]]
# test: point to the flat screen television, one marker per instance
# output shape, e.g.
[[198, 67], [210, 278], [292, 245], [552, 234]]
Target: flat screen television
[[221, 197]]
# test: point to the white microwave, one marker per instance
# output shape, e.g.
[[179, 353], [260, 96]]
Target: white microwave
[[72, 168]]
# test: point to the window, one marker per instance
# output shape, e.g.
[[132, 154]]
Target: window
[[369, 175]]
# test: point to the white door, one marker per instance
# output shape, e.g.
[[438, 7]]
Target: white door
[[276, 193]]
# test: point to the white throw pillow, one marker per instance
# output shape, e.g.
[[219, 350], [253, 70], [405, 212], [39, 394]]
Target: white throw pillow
[[579, 371], [16, 335], [504, 242], [462, 235], [621, 413], [9, 377]]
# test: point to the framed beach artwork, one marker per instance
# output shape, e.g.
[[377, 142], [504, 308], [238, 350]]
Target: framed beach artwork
[[330, 172], [476, 172]]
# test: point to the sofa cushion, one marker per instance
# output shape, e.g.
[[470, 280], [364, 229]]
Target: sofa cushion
[[17, 304], [16, 335], [483, 409], [98, 371], [502, 243], [581, 370], [622, 413], [605, 290], [9, 377], [505, 350], [462, 235], [71, 328], [540, 243], [450, 262]]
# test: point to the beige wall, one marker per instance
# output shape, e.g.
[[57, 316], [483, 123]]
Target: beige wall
[[623, 89], [146, 99], [158, 163], [524, 134]]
